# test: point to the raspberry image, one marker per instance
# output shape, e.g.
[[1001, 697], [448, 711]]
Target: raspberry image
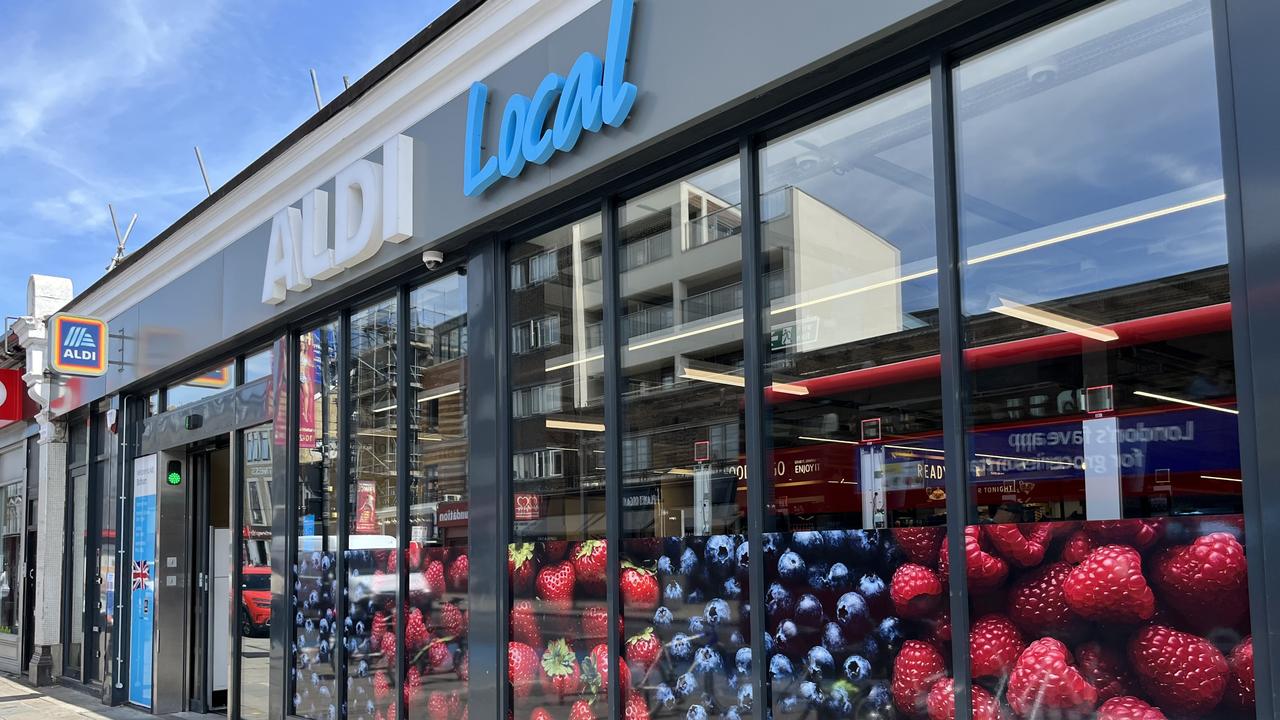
[[1127, 707], [1106, 669], [1181, 672], [985, 570], [918, 666], [1044, 679], [942, 702], [1109, 587], [994, 645], [1038, 605], [1206, 582], [1240, 686], [915, 590]]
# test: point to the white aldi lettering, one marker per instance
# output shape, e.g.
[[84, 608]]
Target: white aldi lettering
[[372, 206]]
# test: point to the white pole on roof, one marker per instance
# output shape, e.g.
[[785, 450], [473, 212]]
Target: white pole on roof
[[121, 239], [203, 173], [346, 82], [315, 86]]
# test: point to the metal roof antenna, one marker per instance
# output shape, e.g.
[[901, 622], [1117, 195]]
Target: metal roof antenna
[[120, 239], [203, 173], [346, 82], [315, 85]]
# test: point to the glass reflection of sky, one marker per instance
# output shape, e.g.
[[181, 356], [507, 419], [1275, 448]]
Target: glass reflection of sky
[[1128, 126]]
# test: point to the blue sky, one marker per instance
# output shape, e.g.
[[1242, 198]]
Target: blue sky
[[102, 102]]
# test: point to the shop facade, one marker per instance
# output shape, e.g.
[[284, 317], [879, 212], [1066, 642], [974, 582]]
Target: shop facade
[[722, 330]]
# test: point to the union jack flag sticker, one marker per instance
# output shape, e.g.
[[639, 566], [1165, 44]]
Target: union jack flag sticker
[[141, 574]]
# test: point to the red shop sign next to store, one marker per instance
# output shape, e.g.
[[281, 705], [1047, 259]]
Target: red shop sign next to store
[[13, 396], [527, 506]]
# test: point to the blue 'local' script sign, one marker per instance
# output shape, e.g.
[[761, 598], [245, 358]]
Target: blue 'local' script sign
[[593, 95]]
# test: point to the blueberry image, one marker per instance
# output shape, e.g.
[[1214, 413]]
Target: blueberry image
[[834, 638], [672, 546], [732, 713], [788, 704], [680, 647], [697, 626], [872, 587], [695, 596], [673, 592], [819, 662], [686, 685], [720, 553], [772, 544], [871, 647], [809, 611], [818, 575], [890, 631], [779, 602], [836, 540], [786, 634], [736, 638], [662, 617], [706, 660], [862, 547], [731, 588], [780, 667], [811, 691], [746, 695], [743, 558], [857, 668], [664, 565], [851, 610], [808, 542], [696, 712], [717, 611], [791, 567], [840, 698], [688, 562], [838, 578], [879, 697], [664, 696], [742, 660]]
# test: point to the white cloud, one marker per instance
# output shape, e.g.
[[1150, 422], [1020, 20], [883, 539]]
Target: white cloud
[[76, 211]]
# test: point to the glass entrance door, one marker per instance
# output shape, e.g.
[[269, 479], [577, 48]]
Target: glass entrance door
[[77, 533]]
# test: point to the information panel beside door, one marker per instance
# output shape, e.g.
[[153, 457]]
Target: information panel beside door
[[142, 584]]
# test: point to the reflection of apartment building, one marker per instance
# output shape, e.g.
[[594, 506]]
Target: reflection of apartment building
[[257, 495]]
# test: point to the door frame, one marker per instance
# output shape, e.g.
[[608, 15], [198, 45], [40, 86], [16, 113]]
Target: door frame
[[75, 476]]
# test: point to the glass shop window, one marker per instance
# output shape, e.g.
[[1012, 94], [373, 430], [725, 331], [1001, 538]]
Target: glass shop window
[[200, 386]]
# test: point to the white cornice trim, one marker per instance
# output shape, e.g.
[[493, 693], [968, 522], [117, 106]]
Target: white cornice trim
[[493, 35]]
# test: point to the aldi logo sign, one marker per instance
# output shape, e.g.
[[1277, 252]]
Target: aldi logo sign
[[80, 345]]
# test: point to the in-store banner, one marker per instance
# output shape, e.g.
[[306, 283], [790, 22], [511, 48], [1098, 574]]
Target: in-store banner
[[142, 586]]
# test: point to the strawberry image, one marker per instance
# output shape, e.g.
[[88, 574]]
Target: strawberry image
[[381, 625], [388, 560], [581, 710], [1022, 546], [916, 668], [415, 631], [596, 671], [942, 702], [553, 551], [1078, 546], [381, 685], [915, 591], [643, 649], [439, 658], [463, 667], [524, 624], [554, 585], [433, 578], [561, 677], [590, 566], [1182, 673], [1038, 606], [921, 544], [595, 623], [520, 567], [450, 622], [439, 706], [1044, 680], [1240, 686], [1128, 707], [1206, 582], [522, 669], [1106, 670], [388, 648], [639, 588], [412, 686], [636, 708], [540, 714], [1109, 587], [994, 646], [1141, 534], [985, 570], [458, 574], [413, 554]]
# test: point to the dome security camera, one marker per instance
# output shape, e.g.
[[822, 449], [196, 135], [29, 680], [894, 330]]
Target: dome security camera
[[1044, 72], [432, 259]]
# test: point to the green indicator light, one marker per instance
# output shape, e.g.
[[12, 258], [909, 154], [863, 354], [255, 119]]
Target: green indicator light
[[174, 478]]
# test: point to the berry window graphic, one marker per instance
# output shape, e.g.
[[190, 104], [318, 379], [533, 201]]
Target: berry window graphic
[[79, 346]]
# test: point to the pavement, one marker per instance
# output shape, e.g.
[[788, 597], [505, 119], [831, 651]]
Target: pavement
[[20, 701]]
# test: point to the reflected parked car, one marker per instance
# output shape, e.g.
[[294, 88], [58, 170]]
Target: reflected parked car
[[255, 600]]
